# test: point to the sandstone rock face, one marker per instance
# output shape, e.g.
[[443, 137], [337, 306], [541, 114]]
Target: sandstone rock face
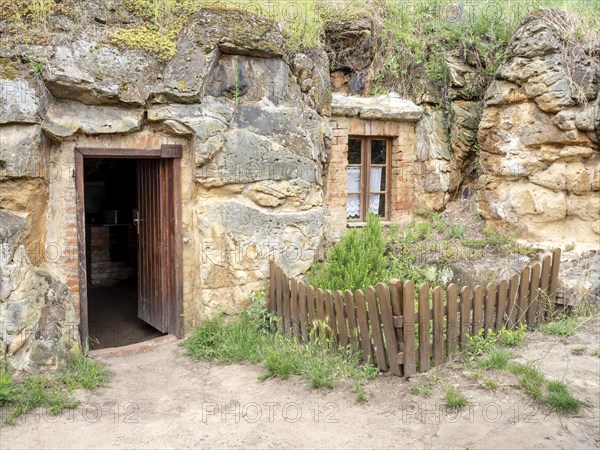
[[39, 328], [255, 122], [539, 138]]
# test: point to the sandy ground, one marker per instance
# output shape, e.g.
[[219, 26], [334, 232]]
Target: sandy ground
[[162, 399]]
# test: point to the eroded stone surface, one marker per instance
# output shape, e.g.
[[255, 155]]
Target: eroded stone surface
[[538, 138]]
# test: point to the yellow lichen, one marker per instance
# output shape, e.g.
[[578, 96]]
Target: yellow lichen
[[8, 69]]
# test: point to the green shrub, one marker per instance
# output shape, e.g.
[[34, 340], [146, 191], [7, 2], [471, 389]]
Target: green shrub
[[358, 260], [479, 344], [512, 338]]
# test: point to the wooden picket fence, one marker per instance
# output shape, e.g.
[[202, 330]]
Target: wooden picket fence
[[402, 335]]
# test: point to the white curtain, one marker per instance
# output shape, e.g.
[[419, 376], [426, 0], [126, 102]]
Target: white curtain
[[353, 202], [375, 185]]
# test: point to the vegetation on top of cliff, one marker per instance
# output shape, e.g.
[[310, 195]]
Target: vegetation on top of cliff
[[421, 34], [414, 33]]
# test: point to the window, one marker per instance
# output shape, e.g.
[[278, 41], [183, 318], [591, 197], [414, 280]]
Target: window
[[368, 173]]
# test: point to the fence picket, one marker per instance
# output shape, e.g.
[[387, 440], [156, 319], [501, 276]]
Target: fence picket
[[272, 304], [279, 295], [387, 321], [330, 317], [534, 284], [287, 316], [408, 328], [554, 276], [452, 325], [363, 324], [396, 297], [477, 309], [466, 328], [513, 295], [375, 321], [302, 306], [424, 354], [341, 324], [523, 295], [312, 311], [501, 305], [353, 332], [544, 285], [438, 326], [320, 306], [294, 315], [490, 306]]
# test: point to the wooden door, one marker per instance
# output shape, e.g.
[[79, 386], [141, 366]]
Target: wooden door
[[158, 254]]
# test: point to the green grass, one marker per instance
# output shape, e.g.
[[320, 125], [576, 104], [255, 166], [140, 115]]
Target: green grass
[[498, 358], [454, 400], [562, 325], [531, 379], [578, 350], [52, 392], [560, 399], [421, 389], [248, 338], [492, 352], [490, 384]]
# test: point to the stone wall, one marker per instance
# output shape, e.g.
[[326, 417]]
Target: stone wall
[[539, 138]]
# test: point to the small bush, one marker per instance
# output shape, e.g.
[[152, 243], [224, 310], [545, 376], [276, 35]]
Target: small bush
[[357, 261], [479, 344], [455, 400], [512, 338]]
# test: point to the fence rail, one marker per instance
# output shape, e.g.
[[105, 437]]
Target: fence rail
[[404, 330]]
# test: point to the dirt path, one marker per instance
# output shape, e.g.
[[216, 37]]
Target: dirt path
[[161, 399]]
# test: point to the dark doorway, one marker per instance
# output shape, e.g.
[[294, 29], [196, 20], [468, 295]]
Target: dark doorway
[[129, 234], [112, 253]]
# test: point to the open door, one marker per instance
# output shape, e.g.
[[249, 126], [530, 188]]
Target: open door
[[158, 255]]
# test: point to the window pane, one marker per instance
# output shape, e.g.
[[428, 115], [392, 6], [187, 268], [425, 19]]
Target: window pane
[[377, 204], [353, 179], [354, 151], [353, 206], [377, 181], [378, 151]]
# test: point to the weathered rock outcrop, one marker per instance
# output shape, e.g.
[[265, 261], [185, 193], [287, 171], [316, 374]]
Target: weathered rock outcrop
[[38, 327], [255, 120], [539, 137]]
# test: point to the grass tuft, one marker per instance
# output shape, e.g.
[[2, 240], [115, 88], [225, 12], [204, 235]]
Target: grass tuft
[[562, 325], [49, 391], [455, 400], [248, 337], [560, 399]]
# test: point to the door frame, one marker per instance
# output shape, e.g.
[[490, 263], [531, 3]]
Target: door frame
[[165, 151]]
